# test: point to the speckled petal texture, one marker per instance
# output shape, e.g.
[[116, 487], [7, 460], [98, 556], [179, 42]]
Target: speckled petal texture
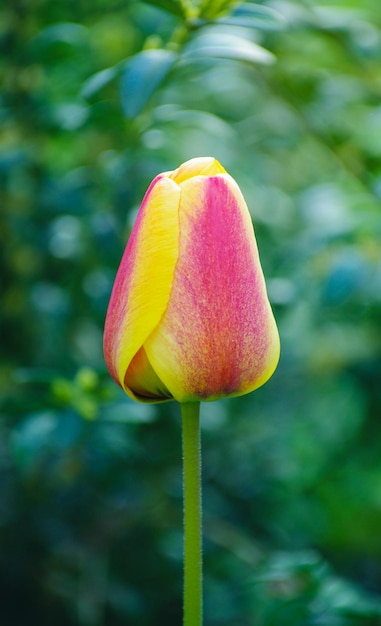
[[189, 318], [217, 336]]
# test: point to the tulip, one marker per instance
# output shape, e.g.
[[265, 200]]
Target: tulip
[[189, 318]]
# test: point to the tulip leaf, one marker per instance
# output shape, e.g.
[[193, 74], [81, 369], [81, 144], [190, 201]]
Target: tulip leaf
[[255, 16], [222, 45], [143, 74]]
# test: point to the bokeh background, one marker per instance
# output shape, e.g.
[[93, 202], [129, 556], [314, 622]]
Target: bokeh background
[[97, 98]]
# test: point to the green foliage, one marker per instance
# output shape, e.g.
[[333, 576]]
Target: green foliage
[[299, 589], [97, 98], [142, 76]]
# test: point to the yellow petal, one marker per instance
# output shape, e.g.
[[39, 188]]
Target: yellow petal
[[200, 166], [143, 381], [144, 280]]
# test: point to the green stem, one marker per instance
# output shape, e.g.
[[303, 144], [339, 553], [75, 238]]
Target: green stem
[[190, 414]]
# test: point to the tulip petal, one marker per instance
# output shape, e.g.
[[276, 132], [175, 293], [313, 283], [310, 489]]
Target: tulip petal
[[199, 166], [143, 283], [217, 336], [142, 379]]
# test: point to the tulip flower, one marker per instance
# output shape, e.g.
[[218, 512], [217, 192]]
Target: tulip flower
[[189, 317]]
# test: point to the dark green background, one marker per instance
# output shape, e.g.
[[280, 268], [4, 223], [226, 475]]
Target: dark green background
[[90, 503]]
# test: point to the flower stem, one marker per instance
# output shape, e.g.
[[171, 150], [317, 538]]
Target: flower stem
[[190, 414]]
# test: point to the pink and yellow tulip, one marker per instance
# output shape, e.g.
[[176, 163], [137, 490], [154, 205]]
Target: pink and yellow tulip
[[189, 318]]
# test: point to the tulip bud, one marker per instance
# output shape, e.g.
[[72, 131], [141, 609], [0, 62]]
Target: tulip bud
[[189, 318]]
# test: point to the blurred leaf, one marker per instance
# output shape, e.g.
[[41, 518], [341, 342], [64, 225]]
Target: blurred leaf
[[227, 46], [143, 75], [11, 159], [95, 83], [300, 588], [176, 7], [255, 16], [66, 32], [33, 375], [31, 439], [211, 9], [347, 275], [127, 412], [338, 18], [70, 115]]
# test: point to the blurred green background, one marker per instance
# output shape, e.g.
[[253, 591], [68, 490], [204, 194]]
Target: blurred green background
[[97, 98]]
